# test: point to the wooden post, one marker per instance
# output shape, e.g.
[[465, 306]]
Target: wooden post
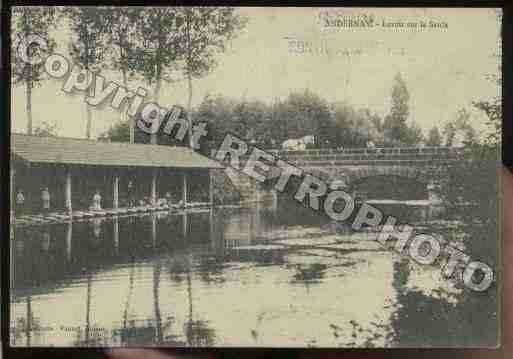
[[257, 191], [69, 235], [211, 226], [184, 188], [115, 196], [69, 207], [153, 196], [154, 230], [116, 234], [211, 188], [185, 225], [11, 261], [274, 193]]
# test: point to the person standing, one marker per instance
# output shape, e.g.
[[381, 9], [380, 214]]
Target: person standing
[[20, 203], [130, 194], [169, 199], [45, 196], [97, 201]]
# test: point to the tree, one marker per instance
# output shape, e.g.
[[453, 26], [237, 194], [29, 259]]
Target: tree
[[122, 41], [88, 42], [493, 108], [46, 130], [474, 181], [158, 48], [28, 20], [300, 114], [120, 132], [217, 111], [413, 135], [354, 128], [395, 122], [205, 32], [250, 120], [434, 137], [304, 113], [459, 131]]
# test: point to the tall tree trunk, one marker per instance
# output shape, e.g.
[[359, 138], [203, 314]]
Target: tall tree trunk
[[156, 303], [156, 97], [89, 114], [29, 320], [130, 290], [28, 90], [189, 109], [190, 323], [88, 310], [124, 116], [89, 121], [189, 77]]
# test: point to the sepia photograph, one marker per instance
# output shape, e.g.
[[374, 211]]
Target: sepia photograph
[[284, 177]]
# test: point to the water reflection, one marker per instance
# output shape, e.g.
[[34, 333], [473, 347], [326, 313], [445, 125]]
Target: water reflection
[[245, 276]]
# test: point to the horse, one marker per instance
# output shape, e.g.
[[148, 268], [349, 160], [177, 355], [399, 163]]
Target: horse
[[298, 144]]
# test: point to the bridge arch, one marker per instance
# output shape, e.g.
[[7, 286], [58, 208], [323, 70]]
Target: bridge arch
[[385, 182], [409, 172]]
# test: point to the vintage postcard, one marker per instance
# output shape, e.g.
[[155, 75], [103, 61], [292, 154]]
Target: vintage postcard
[[255, 177]]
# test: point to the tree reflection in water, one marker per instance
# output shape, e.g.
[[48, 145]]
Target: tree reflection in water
[[167, 278]]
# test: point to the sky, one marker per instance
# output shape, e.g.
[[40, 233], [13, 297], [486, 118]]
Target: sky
[[444, 67]]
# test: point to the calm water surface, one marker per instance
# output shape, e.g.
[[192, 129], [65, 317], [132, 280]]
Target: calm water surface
[[229, 277]]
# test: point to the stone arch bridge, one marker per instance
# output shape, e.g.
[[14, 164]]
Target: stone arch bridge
[[364, 170]]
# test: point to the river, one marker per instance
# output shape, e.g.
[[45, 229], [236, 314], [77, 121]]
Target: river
[[256, 276]]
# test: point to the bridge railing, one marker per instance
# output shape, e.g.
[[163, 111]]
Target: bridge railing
[[370, 154], [368, 151], [377, 156]]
